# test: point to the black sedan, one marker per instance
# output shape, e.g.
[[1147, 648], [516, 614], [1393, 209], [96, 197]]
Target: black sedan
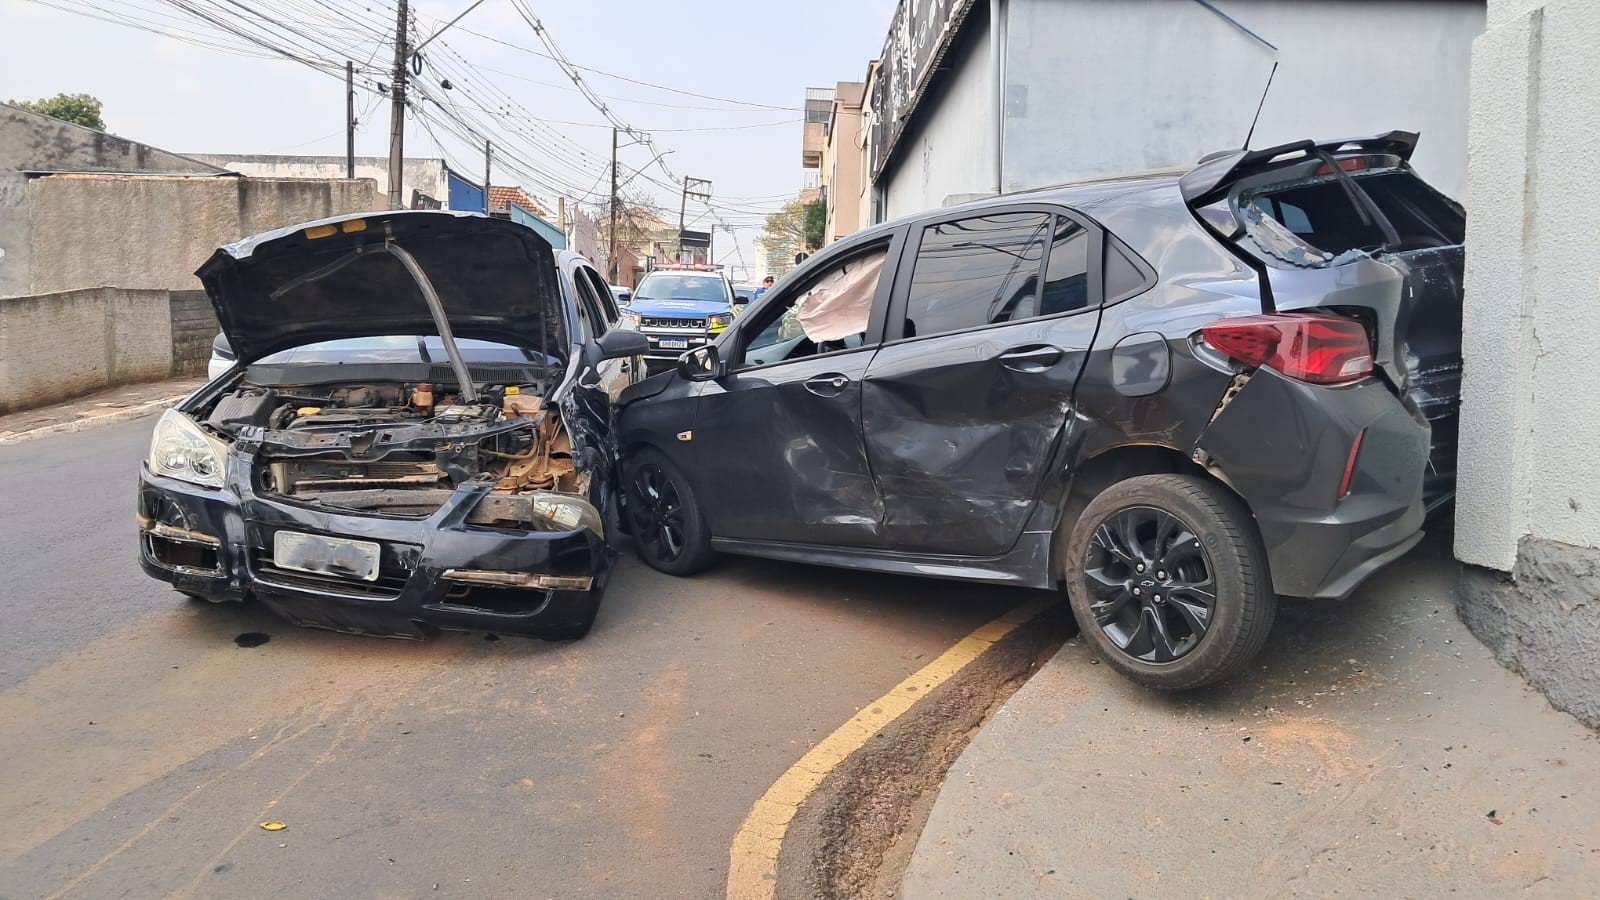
[[416, 434], [1174, 397]]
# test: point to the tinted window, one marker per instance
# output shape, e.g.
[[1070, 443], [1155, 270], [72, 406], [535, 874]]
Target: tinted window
[[1421, 215], [977, 271], [588, 303], [1123, 277], [1322, 215], [1066, 277], [602, 291]]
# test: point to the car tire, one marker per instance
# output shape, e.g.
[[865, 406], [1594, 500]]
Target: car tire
[[1168, 579], [664, 516]]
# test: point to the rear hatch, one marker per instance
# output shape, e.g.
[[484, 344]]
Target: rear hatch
[[1349, 228]]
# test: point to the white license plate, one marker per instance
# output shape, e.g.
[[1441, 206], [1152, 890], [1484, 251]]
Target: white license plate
[[674, 343], [337, 557]]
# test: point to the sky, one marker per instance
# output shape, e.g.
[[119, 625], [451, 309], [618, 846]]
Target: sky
[[754, 57]]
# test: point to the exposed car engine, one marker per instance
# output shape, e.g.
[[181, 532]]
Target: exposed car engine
[[402, 449]]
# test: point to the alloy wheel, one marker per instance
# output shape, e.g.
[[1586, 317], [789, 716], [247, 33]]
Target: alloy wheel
[[1151, 583], [657, 512]]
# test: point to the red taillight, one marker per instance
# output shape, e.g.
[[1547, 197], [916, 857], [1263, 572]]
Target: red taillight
[[1350, 464], [1320, 349], [1354, 164]]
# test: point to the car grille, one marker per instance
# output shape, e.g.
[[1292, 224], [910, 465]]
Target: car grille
[[657, 322], [389, 584]]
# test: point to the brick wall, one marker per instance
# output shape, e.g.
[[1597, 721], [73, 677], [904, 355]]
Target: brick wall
[[194, 325]]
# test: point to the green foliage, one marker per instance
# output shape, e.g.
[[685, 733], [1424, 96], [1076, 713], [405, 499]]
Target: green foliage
[[79, 109], [816, 222]]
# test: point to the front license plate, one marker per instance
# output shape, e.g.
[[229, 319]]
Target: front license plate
[[339, 557], [675, 343]]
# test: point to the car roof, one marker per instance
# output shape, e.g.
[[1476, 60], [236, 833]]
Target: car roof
[[709, 273]]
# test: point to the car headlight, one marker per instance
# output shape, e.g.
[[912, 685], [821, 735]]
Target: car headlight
[[183, 450], [718, 321], [566, 512], [629, 315]]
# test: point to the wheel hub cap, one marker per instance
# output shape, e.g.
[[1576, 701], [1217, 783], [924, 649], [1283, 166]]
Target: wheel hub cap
[[1156, 619]]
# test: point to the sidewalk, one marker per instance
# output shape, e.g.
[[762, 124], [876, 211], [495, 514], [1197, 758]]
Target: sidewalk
[[1378, 750], [117, 404]]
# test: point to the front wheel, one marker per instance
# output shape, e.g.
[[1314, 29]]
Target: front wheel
[[1168, 580], [664, 516]]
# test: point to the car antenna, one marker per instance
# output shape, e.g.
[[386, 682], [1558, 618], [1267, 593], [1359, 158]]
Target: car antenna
[[1259, 106]]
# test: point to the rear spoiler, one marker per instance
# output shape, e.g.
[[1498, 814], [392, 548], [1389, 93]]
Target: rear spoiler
[[1216, 172]]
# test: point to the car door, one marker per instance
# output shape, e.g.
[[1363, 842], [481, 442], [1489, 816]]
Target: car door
[[777, 439], [991, 319], [593, 304]]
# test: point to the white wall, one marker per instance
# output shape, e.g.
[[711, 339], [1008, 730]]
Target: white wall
[[1142, 84], [944, 151], [1096, 88], [1530, 416], [425, 175]]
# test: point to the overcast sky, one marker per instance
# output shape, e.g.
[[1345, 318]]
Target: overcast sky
[[178, 96]]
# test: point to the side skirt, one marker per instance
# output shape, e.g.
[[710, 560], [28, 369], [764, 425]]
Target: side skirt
[[1027, 564]]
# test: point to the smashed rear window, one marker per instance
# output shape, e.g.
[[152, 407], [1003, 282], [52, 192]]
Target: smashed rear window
[[1319, 222]]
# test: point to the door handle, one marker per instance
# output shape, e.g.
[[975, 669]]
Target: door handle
[[830, 385], [1031, 357]]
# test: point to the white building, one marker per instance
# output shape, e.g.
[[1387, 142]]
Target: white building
[[1006, 95]]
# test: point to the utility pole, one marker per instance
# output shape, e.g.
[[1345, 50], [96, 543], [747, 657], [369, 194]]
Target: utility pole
[[349, 119], [611, 256], [698, 188], [488, 154], [397, 110]]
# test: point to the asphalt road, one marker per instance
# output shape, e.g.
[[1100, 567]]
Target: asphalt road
[[142, 746]]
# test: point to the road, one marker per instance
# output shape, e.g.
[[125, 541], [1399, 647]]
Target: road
[[144, 746]]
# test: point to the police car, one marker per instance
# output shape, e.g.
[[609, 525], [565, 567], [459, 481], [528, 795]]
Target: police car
[[679, 308]]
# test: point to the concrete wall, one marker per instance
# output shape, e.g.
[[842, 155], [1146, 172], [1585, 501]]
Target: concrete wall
[[193, 326], [843, 164], [35, 143], [1528, 508], [1095, 88], [428, 176], [948, 149], [136, 231], [64, 344]]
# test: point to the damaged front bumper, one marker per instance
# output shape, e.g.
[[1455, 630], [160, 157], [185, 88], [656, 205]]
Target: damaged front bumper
[[437, 573]]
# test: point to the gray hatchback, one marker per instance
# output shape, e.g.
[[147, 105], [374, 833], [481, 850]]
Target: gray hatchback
[[1174, 396]]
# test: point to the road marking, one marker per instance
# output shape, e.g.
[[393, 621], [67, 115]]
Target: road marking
[[753, 858]]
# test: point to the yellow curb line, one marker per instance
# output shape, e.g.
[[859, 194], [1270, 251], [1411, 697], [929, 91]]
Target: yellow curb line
[[753, 858]]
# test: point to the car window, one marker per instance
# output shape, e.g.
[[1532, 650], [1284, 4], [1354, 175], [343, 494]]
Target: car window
[[588, 303], [1066, 275], [665, 286], [602, 293], [1420, 215], [827, 312], [1323, 215], [1123, 277], [978, 271]]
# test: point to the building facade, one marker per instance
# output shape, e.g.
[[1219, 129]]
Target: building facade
[[843, 184], [978, 98]]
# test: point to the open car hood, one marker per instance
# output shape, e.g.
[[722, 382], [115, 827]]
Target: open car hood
[[333, 278]]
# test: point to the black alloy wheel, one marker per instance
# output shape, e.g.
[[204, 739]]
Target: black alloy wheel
[[657, 513], [1168, 580], [664, 517], [1151, 583]]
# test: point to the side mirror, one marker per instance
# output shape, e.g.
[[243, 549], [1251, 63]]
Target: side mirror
[[700, 364], [621, 344]]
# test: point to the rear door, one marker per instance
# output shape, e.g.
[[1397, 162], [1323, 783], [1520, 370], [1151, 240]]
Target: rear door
[[990, 322]]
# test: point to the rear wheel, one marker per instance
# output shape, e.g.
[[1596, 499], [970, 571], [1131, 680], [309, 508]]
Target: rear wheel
[[1168, 580], [664, 516]]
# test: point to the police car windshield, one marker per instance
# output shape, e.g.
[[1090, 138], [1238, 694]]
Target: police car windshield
[[661, 286]]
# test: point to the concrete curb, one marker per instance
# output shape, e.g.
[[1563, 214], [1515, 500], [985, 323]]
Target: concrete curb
[[84, 423]]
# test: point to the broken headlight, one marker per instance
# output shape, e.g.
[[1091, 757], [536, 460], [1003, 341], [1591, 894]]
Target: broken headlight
[[566, 512], [181, 449]]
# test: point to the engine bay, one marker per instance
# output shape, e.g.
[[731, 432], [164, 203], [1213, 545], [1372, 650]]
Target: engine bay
[[401, 448]]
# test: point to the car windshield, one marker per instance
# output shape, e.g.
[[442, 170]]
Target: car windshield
[[394, 348], [682, 287]]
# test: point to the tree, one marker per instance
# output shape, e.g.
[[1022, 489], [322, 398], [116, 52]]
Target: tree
[[79, 109], [787, 227], [816, 222]]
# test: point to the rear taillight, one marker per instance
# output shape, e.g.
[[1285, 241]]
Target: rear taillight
[[1320, 349], [1352, 164]]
